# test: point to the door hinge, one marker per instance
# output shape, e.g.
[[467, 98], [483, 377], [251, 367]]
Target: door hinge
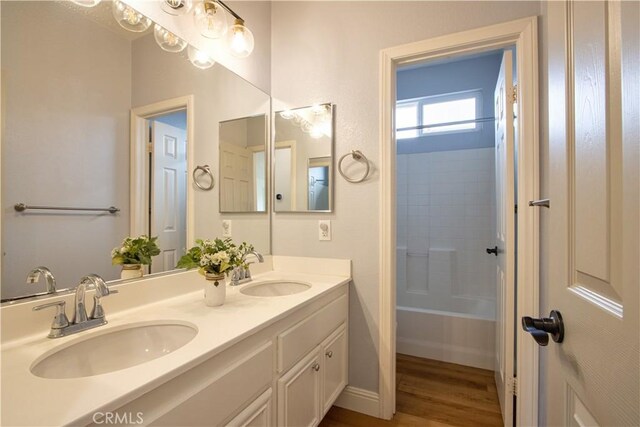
[[149, 148], [515, 208], [514, 386], [514, 94]]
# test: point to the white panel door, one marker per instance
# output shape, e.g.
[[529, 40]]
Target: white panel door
[[169, 194], [236, 175], [592, 376], [299, 393], [505, 234]]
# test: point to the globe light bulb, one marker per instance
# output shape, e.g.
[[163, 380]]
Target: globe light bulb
[[86, 3], [129, 18], [240, 40], [199, 58], [177, 7], [167, 40], [210, 19]]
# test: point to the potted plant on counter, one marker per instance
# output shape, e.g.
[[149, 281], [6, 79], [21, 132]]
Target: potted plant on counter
[[133, 254], [214, 259]]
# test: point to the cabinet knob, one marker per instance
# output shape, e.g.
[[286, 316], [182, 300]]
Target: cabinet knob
[[316, 367], [329, 354]]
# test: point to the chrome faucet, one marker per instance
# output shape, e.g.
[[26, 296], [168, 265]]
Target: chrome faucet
[[34, 277], [61, 326], [242, 274]]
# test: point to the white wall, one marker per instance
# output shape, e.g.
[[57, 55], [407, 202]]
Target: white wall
[[445, 221], [329, 52], [64, 144]]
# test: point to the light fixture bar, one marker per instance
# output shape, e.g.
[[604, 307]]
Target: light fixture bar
[[228, 9]]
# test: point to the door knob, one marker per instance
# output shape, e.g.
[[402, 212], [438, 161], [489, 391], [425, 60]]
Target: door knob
[[540, 329], [493, 250]]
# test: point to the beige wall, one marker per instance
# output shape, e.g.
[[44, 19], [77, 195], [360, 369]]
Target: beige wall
[[329, 52], [64, 144]]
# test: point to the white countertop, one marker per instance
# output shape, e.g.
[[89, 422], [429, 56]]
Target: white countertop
[[30, 400]]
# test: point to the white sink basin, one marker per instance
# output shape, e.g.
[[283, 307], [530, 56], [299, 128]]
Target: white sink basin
[[114, 350], [276, 288]]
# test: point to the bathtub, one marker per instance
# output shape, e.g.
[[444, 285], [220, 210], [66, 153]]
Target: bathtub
[[464, 339]]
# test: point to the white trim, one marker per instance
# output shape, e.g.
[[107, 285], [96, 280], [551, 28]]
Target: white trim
[[139, 166], [359, 400], [522, 33]]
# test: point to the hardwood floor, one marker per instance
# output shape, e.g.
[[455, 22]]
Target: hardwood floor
[[433, 394]]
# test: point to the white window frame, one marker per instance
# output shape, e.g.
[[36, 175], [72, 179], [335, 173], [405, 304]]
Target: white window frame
[[445, 97]]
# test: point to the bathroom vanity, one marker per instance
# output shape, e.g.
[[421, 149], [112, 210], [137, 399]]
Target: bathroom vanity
[[256, 360]]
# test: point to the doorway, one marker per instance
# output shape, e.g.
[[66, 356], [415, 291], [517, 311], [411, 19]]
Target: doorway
[[522, 35], [453, 176], [161, 198]]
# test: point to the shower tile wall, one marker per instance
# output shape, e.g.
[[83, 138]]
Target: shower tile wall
[[446, 220]]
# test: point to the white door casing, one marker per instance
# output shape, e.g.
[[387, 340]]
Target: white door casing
[[593, 375], [505, 230], [522, 33], [169, 194]]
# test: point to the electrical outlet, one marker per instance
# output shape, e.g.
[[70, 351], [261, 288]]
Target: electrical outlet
[[324, 229], [226, 228]]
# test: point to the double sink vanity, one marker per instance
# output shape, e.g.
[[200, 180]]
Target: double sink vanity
[[274, 354]]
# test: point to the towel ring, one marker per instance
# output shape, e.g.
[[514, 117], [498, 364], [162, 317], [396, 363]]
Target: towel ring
[[357, 155], [205, 170]]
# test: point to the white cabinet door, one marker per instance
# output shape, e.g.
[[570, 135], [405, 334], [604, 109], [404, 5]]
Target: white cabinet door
[[334, 369], [256, 414], [592, 376], [299, 393]]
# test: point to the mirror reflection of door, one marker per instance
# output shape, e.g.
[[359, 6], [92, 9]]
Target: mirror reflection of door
[[284, 176], [242, 145], [168, 188], [318, 173]]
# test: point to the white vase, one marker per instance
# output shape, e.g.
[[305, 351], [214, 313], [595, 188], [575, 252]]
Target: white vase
[[215, 289], [131, 271]]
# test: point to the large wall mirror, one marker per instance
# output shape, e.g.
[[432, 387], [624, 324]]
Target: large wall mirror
[[243, 164], [303, 159], [86, 106]]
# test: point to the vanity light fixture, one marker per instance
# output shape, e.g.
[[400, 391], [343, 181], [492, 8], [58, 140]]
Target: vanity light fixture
[[210, 19], [86, 3], [177, 7], [129, 18], [199, 58], [240, 39], [167, 40]]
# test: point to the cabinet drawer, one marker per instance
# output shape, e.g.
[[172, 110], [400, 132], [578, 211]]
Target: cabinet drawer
[[209, 393], [300, 339], [256, 414]]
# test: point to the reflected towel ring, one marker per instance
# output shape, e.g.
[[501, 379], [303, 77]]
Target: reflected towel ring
[[205, 170], [357, 155]]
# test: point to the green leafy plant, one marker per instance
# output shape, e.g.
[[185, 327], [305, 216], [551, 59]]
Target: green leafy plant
[[138, 250], [211, 256], [243, 250]]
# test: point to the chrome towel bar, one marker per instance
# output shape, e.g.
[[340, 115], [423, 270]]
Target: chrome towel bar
[[206, 170], [21, 207]]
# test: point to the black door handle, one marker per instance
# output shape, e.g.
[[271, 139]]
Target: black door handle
[[493, 251], [540, 329]]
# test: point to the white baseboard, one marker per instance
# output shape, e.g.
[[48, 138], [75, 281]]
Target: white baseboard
[[359, 400]]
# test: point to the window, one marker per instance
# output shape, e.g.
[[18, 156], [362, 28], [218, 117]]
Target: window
[[440, 114]]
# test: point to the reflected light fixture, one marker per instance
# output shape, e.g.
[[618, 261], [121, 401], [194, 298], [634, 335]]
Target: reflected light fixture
[[86, 3], [210, 19], [199, 58], [129, 18], [167, 40], [240, 39], [177, 7]]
